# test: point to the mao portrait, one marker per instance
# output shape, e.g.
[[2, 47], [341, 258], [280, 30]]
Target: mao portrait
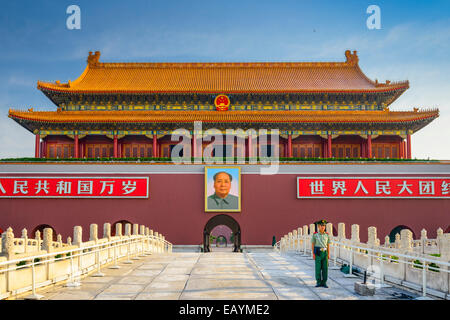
[[222, 189]]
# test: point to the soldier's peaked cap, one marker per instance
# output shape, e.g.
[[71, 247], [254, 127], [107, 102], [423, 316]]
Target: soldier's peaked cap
[[323, 222]]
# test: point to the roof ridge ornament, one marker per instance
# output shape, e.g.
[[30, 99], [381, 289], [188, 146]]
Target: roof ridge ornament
[[352, 58], [93, 59]]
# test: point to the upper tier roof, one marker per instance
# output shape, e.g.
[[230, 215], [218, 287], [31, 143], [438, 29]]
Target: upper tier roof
[[267, 77]]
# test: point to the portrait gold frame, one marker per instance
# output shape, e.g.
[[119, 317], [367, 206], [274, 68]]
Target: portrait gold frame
[[206, 188]]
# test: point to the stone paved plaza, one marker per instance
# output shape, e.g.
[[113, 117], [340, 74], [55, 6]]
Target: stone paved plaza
[[216, 275]]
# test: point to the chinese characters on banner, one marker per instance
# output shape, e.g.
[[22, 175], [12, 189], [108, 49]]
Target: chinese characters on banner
[[74, 187], [373, 187]]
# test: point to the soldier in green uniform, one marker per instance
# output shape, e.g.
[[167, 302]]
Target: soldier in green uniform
[[321, 253]]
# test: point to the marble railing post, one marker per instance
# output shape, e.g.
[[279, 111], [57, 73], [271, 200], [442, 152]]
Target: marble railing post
[[312, 230], [406, 248], [48, 240], [127, 229], [444, 244], [156, 235], [406, 240], [387, 241], [355, 233], [77, 235], [107, 231], [290, 241], [341, 238], [440, 244], [329, 229], [25, 240], [305, 239], [300, 241], [294, 240], [135, 229], [398, 244], [147, 242], [93, 232], [372, 241], [282, 244], [423, 239], [118, 230], [8, 243], [151, 242], [439, 234], [37, 236], [372, 236]]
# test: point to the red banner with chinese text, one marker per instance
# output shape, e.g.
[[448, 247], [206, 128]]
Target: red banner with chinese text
[[74, 187], [373, 187]]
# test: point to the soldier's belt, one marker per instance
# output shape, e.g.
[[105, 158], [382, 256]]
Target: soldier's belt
[[318, 249]]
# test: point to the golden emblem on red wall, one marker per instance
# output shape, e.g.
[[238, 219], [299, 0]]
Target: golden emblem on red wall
[[222, 102]]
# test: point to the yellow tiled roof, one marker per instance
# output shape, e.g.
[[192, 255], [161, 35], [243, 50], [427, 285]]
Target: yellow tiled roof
[[267, 77], [222, 116]]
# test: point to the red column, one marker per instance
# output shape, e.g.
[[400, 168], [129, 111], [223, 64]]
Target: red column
[[404, 149], [116, 151], [329, 153], [369, 146], [400, 153], [37, 145], [155, 143], [250, 145], [408, 145], [289, 145], [194, 145], [76, 147]]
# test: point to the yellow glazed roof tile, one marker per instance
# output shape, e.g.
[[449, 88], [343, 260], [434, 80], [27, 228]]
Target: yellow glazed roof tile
[[264, 77], [222, 116]]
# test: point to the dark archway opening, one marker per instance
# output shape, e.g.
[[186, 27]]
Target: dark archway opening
[[222, 219], [123, 223], [447, 230], [398, 229], [41, 228]]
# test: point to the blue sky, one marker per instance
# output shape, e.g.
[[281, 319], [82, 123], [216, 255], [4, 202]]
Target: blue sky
[[413, 44]]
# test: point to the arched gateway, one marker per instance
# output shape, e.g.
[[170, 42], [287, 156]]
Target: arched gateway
[[222, 219]]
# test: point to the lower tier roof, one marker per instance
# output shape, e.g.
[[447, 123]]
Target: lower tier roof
[[412, 120]]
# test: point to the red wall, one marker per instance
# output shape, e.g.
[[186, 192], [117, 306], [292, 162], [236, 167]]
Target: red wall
[[269, 207]]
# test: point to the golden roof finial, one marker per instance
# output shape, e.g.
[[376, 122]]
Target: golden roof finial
[[93, 59], [352, 58]]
